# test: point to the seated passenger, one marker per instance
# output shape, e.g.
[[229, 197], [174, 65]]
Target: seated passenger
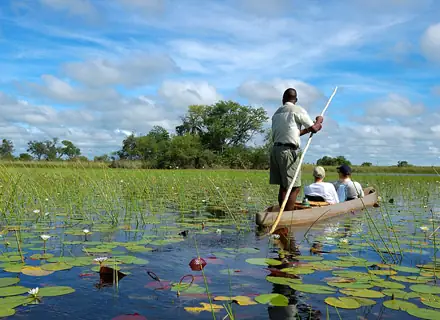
[[346, 188], [320, 190]]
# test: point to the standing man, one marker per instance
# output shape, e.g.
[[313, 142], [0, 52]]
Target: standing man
[[286, 131]]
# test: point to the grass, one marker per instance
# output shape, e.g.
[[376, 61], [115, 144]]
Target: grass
[[138, 165]]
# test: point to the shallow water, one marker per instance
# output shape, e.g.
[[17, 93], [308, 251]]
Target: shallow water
[[140, 293]]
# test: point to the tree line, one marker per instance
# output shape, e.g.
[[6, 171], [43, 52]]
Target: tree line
[[214, 135]]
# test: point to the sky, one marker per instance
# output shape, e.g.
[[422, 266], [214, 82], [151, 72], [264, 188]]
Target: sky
[[93, 71]]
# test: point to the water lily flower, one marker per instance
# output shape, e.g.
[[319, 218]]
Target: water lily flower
[[424, 228], [45, 237], [46, 214], [100, 259], [33, 292], [36, 211], [343, 240], [86, 231], [47, 199], [218, 231]]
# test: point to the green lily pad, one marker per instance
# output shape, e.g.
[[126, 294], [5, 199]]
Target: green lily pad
[[359, 276], [411, 279], [55, 291], [399, 305], [41, 256], [364, 302], [12, 302], [62, 259], [139, 249], [312, 288], [13, 267], [309, 258], [388, 272], [187, 288], [388, 284], [406, 269], [351, 285], [343, 302], [362, 293], [96, 250], [423, 313], [423, 288], [282, 280], [263, 261], [6, 312], [12, 291], [274, 299], [5, 282], [400, 294], [298, 270], [57, 266]]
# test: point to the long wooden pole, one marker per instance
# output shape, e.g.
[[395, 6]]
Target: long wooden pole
[[298, 169]]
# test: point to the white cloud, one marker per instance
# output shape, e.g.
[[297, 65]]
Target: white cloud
[[144, 6], [131, 70], [75, 7], [395, 106], [430, 43], [181, 94], [271, 92]]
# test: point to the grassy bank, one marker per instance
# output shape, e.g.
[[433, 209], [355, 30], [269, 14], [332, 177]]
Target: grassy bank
[[307, 168]]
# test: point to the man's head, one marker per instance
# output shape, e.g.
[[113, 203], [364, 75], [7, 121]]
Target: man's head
[[290, 95], [319, 173], [344, 170]]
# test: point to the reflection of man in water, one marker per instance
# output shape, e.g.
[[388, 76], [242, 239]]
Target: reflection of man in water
[[287, 244]]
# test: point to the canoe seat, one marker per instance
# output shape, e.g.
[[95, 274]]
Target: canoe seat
[[315, 198]]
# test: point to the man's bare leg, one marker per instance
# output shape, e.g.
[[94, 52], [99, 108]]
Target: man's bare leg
[[292, 197]]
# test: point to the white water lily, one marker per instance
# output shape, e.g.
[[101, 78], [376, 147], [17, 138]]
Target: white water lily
[[33, 292], [36, 211], [45, 237], [218, 231], [46, 214], [100, 259], [331, 229], [86, 231], [47, 199], [424, 228], [343, 240]]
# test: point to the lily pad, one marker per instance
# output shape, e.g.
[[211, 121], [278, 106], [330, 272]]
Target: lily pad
[[352, 285], [298, 270], [388, 284], [5, 282], [399, 305], [204, 307], [282, 280], [406, 269], [55, 291], [12, 291], [12, 302], [240, 300], [363, 293], [423, 288], [274, 299], [309, 258], [312, 288], [41, 256], [364, 302], [400, 294], [263, 261], [411, 279], [58, 266], [423, 313], [388, 272], [35, 271], [4, 312], [343, 302]]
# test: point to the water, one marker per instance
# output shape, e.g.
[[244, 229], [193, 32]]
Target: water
[[138, 292]]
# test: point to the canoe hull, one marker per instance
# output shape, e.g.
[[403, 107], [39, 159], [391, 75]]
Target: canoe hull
[[310, 215]]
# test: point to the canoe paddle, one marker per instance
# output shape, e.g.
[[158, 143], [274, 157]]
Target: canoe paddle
[[298, 169]]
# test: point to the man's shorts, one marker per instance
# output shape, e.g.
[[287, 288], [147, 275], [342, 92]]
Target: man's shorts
[[283, 164]]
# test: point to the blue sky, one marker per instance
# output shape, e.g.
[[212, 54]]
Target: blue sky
[[92, 70]]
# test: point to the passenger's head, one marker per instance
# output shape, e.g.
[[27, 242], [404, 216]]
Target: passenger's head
[[319, 173], [344, 171], [290, 95]]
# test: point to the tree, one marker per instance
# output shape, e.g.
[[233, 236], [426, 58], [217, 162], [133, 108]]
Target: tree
[[6, 149], [103, 158], [366, 164], [184, 151], [69, 150], [329, 161], [129, 149], [224, 124], [37, 149], [25, 157], [403, 164]]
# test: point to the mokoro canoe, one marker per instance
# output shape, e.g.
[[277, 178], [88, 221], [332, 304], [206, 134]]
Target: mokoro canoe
[[317, 210]]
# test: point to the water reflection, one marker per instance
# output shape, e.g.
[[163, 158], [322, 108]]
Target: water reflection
[[288, 249]]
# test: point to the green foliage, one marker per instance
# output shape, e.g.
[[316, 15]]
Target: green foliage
[[403, 164], [6, 149], [366, 164], [48, 150], [329, 161]]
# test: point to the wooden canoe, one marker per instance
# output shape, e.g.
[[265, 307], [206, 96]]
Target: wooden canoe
[[317, 211]]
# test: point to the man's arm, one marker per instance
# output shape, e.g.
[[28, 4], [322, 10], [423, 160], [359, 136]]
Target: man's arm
[[313, 128]]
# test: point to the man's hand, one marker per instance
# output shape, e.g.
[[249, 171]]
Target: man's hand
[[316, 127], [319, 119]]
